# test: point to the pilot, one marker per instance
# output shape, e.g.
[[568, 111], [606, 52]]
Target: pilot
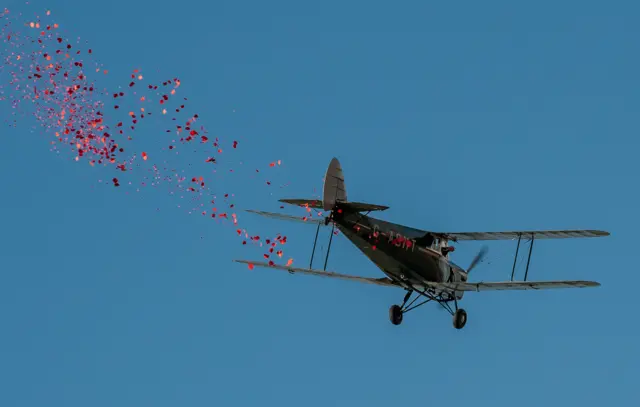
[[446, 250]]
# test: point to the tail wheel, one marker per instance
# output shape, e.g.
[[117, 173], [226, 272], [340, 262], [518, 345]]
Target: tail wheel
[[395, 314], [459, 318]]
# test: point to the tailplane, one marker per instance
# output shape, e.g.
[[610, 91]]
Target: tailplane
[[334, 193]]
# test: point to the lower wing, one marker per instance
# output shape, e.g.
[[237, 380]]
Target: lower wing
[[513, 285], [490, 286], [378, 281]]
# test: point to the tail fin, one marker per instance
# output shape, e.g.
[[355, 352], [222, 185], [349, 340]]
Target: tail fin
[[334, 192]]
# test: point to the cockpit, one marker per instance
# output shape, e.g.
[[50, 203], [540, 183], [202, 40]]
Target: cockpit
[[442, 246], [435, 243]]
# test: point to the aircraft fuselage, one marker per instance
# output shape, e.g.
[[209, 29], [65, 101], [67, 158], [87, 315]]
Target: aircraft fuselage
[[404, 254]]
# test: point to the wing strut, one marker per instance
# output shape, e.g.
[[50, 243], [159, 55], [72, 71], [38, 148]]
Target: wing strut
[[515, 260], [333, 225], [314, 246], [529, 259], [513, 270]]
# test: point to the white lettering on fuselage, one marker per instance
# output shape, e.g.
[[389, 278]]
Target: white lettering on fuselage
[[399, 240], [396, 239]]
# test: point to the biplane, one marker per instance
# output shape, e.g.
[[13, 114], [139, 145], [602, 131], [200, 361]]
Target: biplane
[[417, 261]]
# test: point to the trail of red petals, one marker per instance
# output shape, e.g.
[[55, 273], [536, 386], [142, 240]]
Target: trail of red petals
[[46, 76]]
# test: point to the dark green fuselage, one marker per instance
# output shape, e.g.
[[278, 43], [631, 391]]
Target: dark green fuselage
[[404, 254]]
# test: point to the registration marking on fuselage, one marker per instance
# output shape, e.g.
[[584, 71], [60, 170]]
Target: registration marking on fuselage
[[396, 239]]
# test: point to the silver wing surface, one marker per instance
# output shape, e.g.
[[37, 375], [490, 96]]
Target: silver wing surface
[[512, 285], [280, 216], [536, 234], [378, 281], [459, 286]]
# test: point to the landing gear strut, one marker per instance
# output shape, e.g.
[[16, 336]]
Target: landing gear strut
[[396, 312]]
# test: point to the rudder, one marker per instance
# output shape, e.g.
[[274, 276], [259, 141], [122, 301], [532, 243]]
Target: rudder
[[333, 190]]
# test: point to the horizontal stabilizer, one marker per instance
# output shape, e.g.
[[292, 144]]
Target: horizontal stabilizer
[[512, 285], [378, 281], [353, 206], [311, 203], [288, 217], [364, 207]]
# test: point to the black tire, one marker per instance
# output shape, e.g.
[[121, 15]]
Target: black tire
[[395, 314], [459, 319]]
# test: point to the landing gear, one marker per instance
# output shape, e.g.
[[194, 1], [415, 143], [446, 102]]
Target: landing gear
[[395, 314], [397, 311], [459, 318]]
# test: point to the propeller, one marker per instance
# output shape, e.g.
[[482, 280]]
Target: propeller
[[481, 254]]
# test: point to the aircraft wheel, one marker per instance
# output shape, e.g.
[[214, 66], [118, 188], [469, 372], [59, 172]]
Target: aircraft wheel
[[459, 318], [395, 314]]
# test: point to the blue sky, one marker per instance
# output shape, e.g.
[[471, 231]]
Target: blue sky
[[463, 116]]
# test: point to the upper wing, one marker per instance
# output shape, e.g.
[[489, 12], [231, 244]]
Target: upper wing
[[537, 234], [378, 281], [513, 285], [288, 217]]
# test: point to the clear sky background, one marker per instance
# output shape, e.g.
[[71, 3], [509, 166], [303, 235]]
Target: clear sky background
[[461, 116]]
